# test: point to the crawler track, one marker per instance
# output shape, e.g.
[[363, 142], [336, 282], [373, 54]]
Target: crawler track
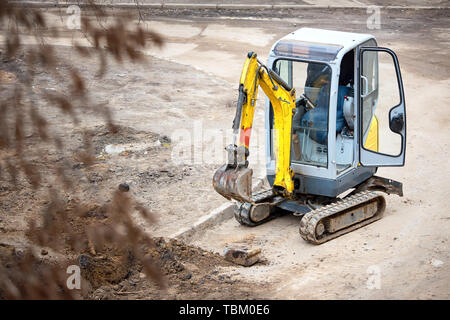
[[242, 209], [315, 225]]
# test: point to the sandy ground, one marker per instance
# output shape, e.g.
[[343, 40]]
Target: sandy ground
[[194, 78]]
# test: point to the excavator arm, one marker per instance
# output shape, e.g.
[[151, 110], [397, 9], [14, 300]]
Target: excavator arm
[[233, 180]]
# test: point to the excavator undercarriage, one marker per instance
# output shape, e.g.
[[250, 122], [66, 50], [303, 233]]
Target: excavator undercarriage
[[322, 219]]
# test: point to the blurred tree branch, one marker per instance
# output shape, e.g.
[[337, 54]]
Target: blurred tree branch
[[118, 39]]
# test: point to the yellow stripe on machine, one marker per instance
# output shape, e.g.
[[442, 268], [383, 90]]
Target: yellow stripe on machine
[[371, 142]]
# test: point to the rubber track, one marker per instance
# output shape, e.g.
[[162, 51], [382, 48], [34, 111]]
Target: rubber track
[[242, 209], [311, 219]]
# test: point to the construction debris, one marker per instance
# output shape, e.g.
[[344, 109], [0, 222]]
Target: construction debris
[[242, 255], [124, 187]]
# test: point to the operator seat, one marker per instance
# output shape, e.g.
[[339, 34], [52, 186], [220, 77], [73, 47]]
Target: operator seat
[[317, 77]]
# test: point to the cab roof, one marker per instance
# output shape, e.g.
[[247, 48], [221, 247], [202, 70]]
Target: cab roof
[[317, 44]]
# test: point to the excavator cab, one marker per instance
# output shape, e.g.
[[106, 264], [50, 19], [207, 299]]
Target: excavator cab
[[334, 113], [349, 101]]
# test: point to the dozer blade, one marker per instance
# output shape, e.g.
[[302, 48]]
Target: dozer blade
[[234, 183]]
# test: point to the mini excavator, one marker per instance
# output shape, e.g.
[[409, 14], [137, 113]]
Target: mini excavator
[[322, 145]]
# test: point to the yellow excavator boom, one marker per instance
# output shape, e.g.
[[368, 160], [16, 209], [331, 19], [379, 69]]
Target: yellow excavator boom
[[233, 180]]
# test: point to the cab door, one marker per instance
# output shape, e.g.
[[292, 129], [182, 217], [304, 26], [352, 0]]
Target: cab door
[[382, 114]]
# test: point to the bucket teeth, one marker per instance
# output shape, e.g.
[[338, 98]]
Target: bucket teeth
[[234, 183]]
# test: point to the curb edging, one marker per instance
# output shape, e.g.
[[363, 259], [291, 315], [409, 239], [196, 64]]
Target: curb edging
[[216, 216], [226, 6]]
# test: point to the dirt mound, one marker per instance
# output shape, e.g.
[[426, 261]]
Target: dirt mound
[[164, 175], [103, 136], [105, 269], [190, 272], [171, 256]]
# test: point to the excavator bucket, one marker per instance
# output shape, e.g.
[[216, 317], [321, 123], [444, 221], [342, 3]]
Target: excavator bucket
[[234, 183]]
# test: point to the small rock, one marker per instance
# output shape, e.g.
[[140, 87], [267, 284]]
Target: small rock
[[125, 153], [44, 252], [84, 260], [124, 187], [242, 255], [19, 252], [165, 139], [112, 149], [95, 178], [142, 275], [77, 165], [132, 283], [436, 262], [188, 276]]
